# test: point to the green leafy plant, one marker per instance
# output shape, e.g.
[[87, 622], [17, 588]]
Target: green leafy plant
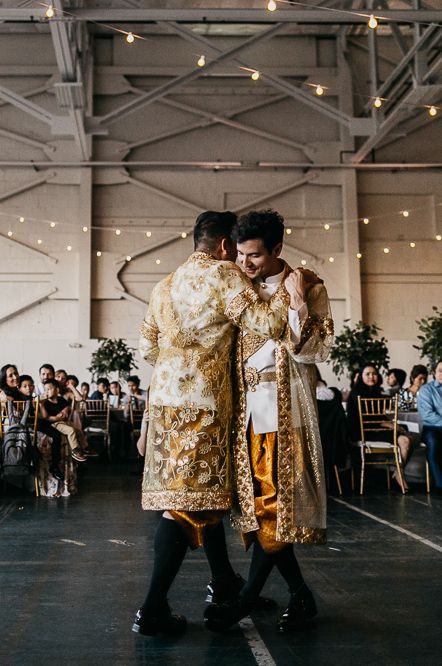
[[356, 347], [112, 355], [431, 339]]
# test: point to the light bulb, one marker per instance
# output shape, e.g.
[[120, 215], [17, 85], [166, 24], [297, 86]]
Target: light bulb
[[9, 233], [201, 61], [52, 225], [438, 237], [319, 90], [412, 244], [288, 231], [405, 213], [372, 22], [39, 241], [386, 250], [366, 220], [21, 219], [130, 38], [98, 253], [331, 259], [183, 234], [432, 111], [128, 258], [303, 262], [158, 261], [69, 248], [117, 232], [377, 102], [326, 227], [148, 234], [50, 12], [271, 5], [85, 229], [255, 76], [359, 255]]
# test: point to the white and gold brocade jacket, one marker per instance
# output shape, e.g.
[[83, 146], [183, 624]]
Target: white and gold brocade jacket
[[188, 334]]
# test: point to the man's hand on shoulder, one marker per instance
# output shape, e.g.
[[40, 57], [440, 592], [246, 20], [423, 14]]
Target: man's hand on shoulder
[[298, 284]]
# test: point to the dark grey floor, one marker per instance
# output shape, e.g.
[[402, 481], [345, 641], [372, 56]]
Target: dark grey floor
[[73, 571]]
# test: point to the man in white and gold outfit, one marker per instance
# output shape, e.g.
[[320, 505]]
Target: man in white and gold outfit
[[278, 468], [188, 334]]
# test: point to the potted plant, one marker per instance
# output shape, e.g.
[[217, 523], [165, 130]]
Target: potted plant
[[112, 355], [431, 338], [355, 347]]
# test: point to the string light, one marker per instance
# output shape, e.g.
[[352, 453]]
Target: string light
[[372, 22], [255, 75], [386, 250], [21, 219], [158, 262], [69, 248], [85, 229], [128, 258], [366, 220], [303, 262], [377, 102], [359, 255], [148, 234], [39, 241], [201, 61], [183, 234], [405, 213], [117, 232], [271, 5], [130, 38], [432, 111], [413, 244], [98, 253], [438, 237], [288, 231], [50, 13], [319, 90], [10, 233], [52, 225], [326, 227], [331, 259]]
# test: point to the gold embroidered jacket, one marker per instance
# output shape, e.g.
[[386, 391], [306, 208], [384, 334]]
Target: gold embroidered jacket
[[188, 334], [301, 510]]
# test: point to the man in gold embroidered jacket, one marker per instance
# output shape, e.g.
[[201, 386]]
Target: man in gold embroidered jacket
[[280, 496], [187, 334]]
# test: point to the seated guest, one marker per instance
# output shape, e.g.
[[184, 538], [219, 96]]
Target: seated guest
[[26, 387], [84, 390], [429, 404], [46, 371], [116, 395], [368, 385], [67, 386], [135, 395], [9, 378], [408, 396], [395, 380], [55, 409], [102, 391]]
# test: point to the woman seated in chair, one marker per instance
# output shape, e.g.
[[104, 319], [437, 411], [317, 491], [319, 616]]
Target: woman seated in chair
[[408, 396], [368, 385]]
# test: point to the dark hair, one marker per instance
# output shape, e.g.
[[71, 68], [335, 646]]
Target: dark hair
[[211, 226], [135, 379], [418, 370], [85, 384], [72, 378], [266, 225], [103, 380], [47, 366], [24, 378], [61, 370], [400, 375], [3, 383], [51, 381]]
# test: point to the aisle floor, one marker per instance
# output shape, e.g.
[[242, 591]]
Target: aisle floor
[[73, 571]]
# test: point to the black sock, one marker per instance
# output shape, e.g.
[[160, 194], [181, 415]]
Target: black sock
[[260, 568], [288, 567], [170, 549], [215, 548]]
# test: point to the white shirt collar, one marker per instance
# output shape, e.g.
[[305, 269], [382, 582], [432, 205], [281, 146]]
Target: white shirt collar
[[274, 279]]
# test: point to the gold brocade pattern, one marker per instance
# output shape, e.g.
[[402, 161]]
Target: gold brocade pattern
[[195, 522], [322, 326], [238, 304], [149, 332]]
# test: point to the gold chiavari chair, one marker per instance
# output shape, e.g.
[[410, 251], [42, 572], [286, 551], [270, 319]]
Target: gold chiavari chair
[[97, 416]]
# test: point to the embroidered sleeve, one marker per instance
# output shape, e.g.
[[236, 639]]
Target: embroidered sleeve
[[148, 343], [317, 330]]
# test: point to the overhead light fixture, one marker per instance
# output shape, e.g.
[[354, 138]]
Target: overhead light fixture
[[432, 111], [319, 90], [130, 38], [201, 61], [50, 13], [255, 75], [271, 5], [372, 22], [377, 102]]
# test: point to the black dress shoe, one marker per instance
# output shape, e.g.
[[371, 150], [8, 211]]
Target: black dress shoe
[[220, 593], [165, 622], [219, 617], [301, 608]]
